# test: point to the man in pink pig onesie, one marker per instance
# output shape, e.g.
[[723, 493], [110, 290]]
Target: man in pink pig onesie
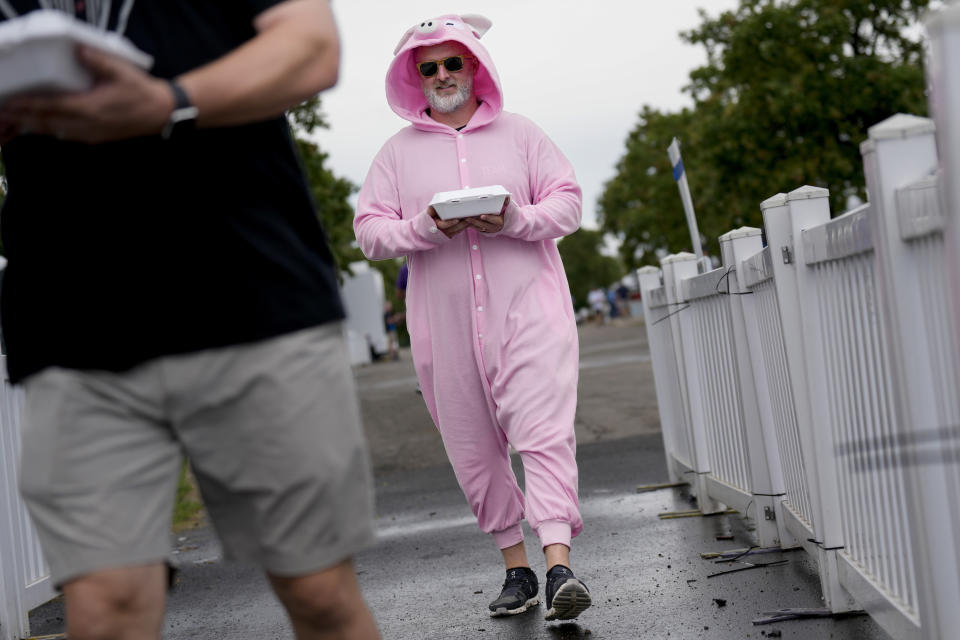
[[491, 325]]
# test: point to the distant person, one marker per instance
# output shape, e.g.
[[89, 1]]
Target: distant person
[[189, 305], [401, 285], [623, 300], [492, 329], [597, 300], [612, 303], [390, 325]]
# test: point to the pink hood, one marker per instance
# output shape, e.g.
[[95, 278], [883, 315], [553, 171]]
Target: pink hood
[[403, 81]]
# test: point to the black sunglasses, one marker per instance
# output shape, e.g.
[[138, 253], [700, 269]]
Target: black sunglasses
[[451, 64]]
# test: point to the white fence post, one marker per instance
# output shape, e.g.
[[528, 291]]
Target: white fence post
[[911, 265], [785, 216], [773, 397], [676, 268], [763, 460]]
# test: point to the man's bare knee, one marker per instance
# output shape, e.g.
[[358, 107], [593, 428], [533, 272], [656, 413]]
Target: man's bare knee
[[324, 599], [116, 604]]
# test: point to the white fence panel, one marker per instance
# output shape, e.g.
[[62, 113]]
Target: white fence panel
[[900, 157], [729, 420], [712, 341], [851, 335], [666, 376], [676, 269], [875, 565], [24, 577]]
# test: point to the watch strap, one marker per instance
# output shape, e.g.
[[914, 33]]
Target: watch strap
[[184, 112]]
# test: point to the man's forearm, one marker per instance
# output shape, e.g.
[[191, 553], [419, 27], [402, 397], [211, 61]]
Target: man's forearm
[[295, 55]]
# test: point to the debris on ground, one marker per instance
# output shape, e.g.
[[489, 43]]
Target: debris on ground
[[749, 566], [803, 613], [693, 513], [733, 554], [643, 488]]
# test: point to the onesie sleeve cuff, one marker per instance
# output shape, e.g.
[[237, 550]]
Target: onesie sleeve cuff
[[514, 221], [426, 228]]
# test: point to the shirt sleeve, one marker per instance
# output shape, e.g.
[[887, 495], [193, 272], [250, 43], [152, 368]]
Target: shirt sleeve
[[556, 197], [379, 225]]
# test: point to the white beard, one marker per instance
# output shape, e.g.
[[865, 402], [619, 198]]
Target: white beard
[[450, 103]]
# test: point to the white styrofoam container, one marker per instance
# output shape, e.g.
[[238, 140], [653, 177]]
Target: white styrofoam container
[[464, 203], [38, 53]]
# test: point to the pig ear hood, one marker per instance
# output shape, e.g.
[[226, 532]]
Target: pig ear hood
[[403, 80]]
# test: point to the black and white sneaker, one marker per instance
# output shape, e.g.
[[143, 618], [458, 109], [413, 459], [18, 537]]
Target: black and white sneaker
[[519, 593], [567, 597]]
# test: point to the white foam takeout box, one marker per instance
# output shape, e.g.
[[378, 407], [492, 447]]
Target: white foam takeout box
[[465, 203], [38, 52]]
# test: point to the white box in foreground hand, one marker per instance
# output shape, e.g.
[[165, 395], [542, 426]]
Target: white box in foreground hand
[[465, 203], [38, 52]]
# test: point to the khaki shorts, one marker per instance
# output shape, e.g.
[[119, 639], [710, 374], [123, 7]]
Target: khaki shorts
[[272, 432]]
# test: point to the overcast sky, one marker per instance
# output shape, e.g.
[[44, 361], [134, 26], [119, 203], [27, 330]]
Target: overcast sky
[[580, 69]]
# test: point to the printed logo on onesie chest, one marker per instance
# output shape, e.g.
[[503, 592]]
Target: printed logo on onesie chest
[[491, 171], [499, 170]]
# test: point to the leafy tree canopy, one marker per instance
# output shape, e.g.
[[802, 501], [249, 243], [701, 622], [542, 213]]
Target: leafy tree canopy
[[330, 193], [586, 267], [788, 92]]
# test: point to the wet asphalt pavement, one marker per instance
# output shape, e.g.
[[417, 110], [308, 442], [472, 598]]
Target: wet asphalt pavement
[[433, 572]]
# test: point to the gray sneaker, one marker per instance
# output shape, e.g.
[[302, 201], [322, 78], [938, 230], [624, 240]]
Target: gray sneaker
[[567, 597], [519, 593]]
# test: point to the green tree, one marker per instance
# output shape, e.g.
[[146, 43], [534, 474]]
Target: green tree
[[586, 267], [330, 193], [640, 205], [332, 197], [788, 92]]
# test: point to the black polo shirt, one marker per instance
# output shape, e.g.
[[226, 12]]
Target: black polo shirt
[[122, 252]]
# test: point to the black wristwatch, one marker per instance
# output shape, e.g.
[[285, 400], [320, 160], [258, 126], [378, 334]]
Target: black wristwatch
[[184, 114]]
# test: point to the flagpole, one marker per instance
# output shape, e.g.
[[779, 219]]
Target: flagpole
[[681, 177]]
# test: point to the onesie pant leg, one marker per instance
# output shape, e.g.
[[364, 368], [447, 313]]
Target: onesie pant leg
[[536, 410], [477, 449], [548, 450]]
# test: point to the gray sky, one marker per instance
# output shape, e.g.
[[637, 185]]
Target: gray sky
[[581, 70]]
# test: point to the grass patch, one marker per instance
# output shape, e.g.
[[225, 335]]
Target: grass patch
[[188, 509]]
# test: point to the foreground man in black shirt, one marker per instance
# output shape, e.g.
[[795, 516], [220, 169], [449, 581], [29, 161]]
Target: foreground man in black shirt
[[170, 290]]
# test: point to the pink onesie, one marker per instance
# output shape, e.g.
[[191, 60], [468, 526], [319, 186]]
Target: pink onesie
[[492, 330]]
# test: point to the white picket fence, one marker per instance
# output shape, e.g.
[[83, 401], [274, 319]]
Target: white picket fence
[[24, 577], [813, 384]]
